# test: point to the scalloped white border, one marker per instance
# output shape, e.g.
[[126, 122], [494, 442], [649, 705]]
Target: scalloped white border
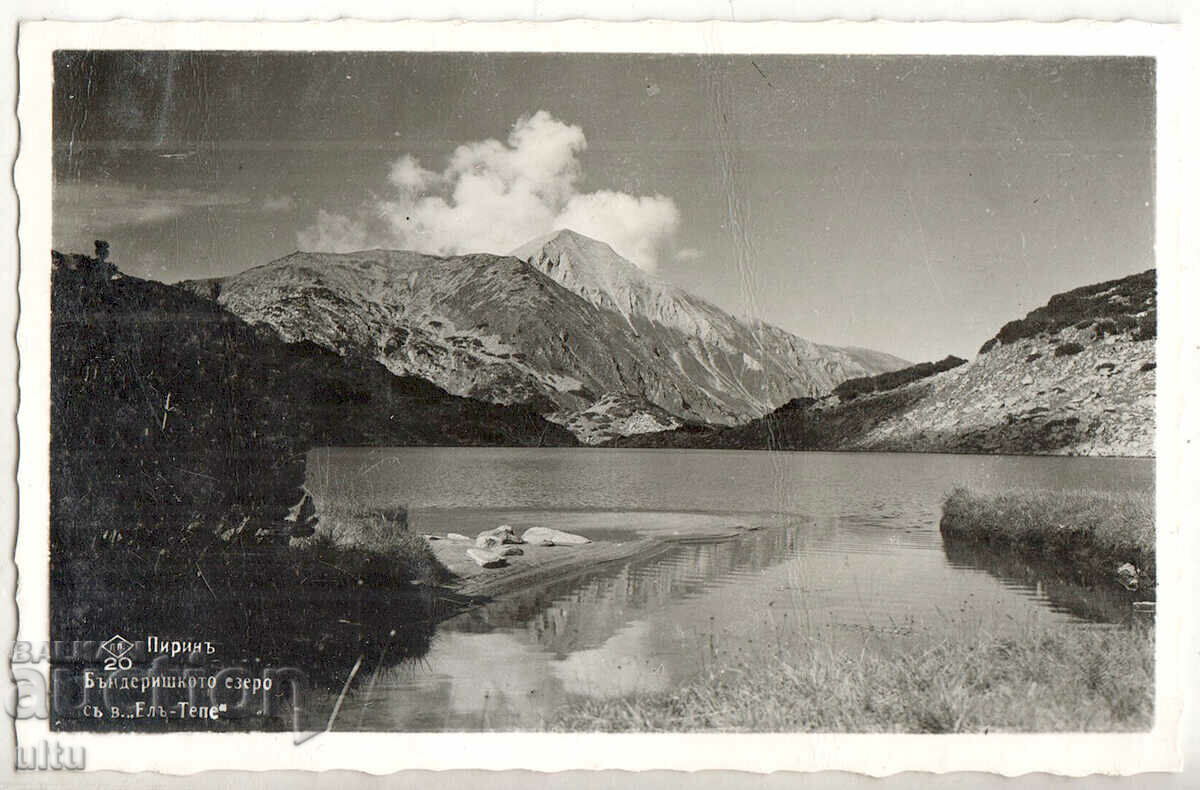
[[870, 754]]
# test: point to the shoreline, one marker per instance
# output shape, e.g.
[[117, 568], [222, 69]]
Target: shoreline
[[615, 445], [542, 565], [539, 565]]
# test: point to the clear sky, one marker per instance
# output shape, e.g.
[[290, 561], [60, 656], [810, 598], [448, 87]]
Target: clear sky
[[907, 204]]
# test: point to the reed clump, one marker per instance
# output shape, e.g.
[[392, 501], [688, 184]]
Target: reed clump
[[1093, 532]]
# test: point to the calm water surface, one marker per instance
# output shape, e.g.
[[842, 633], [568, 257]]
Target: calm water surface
[[847, 552]]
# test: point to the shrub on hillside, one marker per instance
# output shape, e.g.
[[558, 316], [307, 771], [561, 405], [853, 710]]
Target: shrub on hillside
[[1116, 326], [1147, 326], [1115, 300], [797, 404], [852, 388], [1067, 349]]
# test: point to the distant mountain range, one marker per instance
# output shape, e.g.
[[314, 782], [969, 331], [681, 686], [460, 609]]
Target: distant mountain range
[[564, 324], [1073, 377]]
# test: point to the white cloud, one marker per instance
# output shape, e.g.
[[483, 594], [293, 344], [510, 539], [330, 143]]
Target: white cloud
[[493, 196], [636, 227], [688, 254], [334, 233]]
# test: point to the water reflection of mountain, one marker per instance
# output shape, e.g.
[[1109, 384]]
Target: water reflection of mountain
[[582, 613], [1105, 603]]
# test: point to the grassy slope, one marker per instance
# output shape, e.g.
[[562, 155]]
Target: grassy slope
[[1043, 680]]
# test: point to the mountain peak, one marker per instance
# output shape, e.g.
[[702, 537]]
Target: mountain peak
[[567, 239], [595, 271]]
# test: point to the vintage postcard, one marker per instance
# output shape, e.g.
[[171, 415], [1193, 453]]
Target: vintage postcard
[[579, 395]]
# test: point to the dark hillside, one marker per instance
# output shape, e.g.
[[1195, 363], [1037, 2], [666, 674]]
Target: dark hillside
[[852, 388], [177, 461], [1112, 307], [165, 404]]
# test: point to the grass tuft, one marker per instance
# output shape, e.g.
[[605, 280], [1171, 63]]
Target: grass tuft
[[372, 544], [1090, 530]]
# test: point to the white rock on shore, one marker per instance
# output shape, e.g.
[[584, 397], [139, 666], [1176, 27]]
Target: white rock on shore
[[455, 536], [544, 536], [495, 537], [486, 559]]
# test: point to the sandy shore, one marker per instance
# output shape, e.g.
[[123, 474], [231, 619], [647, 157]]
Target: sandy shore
[[538, 565]]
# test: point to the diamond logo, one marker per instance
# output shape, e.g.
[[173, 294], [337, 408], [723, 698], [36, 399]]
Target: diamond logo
[[117, 646]]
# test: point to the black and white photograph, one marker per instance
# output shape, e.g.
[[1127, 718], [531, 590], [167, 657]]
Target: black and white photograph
[[464, 391]]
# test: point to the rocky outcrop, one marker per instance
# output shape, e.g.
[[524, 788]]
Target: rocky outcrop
[[486, 559], [1075, 377], [1021, 398], [499, 536], [605, 351], [545, 536], [614, 415]]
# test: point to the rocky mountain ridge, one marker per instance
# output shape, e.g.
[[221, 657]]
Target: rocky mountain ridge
[[575, 331], [1074, 377]]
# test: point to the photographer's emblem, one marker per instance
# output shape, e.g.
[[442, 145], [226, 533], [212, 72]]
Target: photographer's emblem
[[118, 648]]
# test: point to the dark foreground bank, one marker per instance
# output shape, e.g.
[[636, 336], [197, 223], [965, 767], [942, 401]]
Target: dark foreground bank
[[177, 500]]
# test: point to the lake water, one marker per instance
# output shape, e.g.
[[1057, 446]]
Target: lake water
[[847, 553]]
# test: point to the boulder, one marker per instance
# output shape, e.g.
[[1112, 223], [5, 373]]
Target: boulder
[[496, 537], [510, 551], [1128, 575], [486, 559], [456, 536], [544, 536]]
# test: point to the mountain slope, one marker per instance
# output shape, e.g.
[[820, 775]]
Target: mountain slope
[[481, 326], [759, 364], [510, 331], [1075, 377]]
